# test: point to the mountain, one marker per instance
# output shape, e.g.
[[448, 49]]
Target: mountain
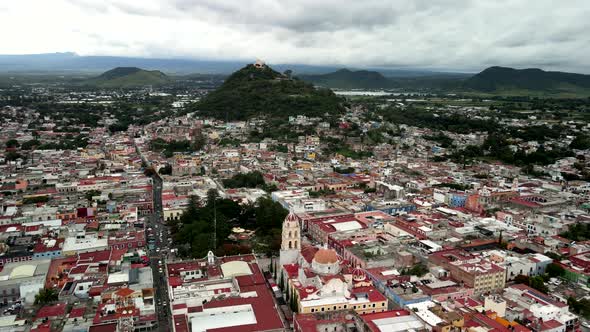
[[259, 90], [395, 79], [69, 62], [532, 80], [125, 77], [348, 79]]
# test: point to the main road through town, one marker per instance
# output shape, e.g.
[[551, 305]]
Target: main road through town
[[158, 251]]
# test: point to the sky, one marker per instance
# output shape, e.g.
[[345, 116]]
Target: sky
[[459, 35]]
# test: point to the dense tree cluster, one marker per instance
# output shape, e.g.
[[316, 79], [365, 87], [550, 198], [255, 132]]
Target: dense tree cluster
[[168, 148], [245, 180], [420, 117], [46, 295], [580, 307], [36, 199], [443, 140], [416, 270], [193, 232], [577, 232], [580, 142]]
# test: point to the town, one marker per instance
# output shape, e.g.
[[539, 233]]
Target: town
[[134, 211]]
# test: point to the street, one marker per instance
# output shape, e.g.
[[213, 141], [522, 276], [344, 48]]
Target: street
[[157, 234], [157, 257]]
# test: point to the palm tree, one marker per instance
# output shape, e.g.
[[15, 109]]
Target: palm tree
[[46, 295]]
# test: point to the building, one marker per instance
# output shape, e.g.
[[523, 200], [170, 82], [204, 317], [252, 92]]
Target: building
[[291, 240], [22, 280], [221, 294], [471, 270]]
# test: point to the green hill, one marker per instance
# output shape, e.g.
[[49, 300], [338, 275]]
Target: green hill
[[253, 91], [528, 81], [348, 79], [126, 77]]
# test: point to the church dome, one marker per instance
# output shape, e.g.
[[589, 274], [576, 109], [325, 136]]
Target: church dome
[[326, 256], [358, 275], [291, 217]]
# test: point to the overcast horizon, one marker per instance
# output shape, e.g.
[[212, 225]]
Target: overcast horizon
[[439, 35]]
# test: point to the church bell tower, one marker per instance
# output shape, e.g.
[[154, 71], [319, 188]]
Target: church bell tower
[[291, 240]]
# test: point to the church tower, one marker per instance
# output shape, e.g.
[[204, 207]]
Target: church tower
[[291, 240]]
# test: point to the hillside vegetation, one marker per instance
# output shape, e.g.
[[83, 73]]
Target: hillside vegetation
[[505, 80], [348, 79], [125, 77], [253, 91]]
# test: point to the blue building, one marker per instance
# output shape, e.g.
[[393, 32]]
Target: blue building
[[457, 200]]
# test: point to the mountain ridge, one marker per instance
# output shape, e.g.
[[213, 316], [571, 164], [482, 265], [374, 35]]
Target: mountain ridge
[[498, 79], [127, 77], [348, 79]]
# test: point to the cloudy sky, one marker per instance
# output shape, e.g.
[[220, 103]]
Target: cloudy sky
[[465, 35]]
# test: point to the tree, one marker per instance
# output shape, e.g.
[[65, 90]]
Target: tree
[[580, 142], [416, 270], [199, 141], [271, 267], [91, 193], [293, 300], [281, 281], [555, 270], [245, 180], [28, 145], [35, 199], [537, 283], [553, 255], [212, 195], [46, 295], [166, 170], [12, 156], [521, 279], [581, 307], [12, 143], [269, 215]]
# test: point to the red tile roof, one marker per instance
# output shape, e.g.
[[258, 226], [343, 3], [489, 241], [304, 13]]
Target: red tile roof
[[77, 312], [56, 310], [267, 317]]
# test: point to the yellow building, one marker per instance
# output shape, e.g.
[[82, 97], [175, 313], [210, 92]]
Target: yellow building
[[172, 213]]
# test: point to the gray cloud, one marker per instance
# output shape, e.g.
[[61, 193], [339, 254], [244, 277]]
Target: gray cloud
[[441, 34]]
